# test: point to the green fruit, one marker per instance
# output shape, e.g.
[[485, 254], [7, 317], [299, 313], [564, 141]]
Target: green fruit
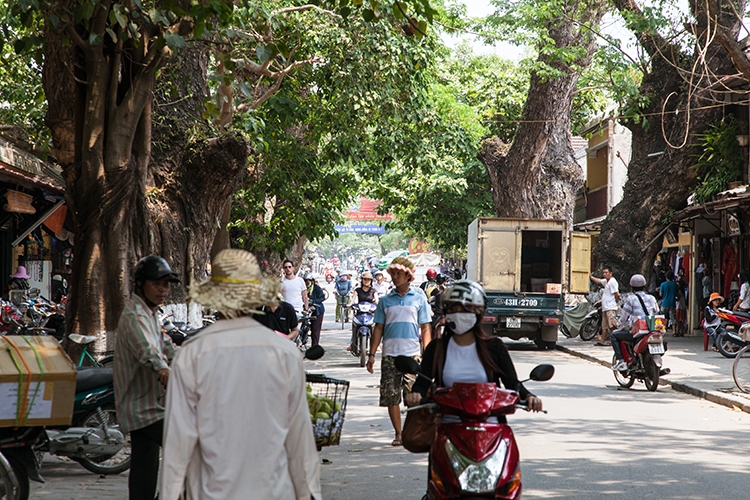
[[322, 415], [325, 407], [336, 407]]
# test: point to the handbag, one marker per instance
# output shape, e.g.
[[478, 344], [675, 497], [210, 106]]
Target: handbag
[[420, 425], [419, 430]]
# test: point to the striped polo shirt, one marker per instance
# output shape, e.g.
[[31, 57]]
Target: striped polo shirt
[[141, 350], [401, 317]]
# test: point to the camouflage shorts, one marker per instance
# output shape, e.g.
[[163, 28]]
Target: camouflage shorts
[[393, 383]]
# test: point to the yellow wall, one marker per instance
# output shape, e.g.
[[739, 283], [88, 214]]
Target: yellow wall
[[596, 171]]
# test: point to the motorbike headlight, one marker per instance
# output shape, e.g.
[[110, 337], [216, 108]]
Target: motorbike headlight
[[477, 477]]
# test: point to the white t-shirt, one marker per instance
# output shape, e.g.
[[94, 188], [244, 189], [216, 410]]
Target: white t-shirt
[[462, 364], [292, 290], [745, 296], [609, 302]]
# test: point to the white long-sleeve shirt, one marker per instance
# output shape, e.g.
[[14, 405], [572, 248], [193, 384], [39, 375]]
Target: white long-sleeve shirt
[[237, 425]]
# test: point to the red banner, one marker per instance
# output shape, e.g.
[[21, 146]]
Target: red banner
[[368, 210]]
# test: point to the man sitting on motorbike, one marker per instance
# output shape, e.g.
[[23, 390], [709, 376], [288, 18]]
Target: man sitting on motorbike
[[638, 305], [363, 293], [465, 352], [342, 289]]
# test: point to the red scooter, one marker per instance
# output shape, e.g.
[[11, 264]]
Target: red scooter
[[729, 342], [472, 457]]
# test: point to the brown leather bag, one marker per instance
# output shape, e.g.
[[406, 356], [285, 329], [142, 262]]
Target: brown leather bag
[[420, 426], [419, 430]]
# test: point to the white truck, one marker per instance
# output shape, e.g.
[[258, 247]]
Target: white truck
[[523, 266]]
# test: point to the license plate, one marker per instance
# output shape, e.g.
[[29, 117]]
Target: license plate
[[656, 348], [513, 323]]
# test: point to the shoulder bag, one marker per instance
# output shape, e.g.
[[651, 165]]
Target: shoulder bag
[[420, 425]]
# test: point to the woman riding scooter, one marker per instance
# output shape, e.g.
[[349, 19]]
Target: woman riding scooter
[[465, 352], [363, 293]]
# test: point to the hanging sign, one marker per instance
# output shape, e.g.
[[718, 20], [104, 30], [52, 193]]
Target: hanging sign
[[19, 202]]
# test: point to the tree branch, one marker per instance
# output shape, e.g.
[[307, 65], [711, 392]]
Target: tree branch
[[303, 8]]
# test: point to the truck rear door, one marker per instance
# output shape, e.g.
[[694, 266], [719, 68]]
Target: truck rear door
[[498, 258], [580, 262]]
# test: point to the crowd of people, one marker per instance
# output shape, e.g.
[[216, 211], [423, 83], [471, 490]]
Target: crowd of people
[[187, 405]]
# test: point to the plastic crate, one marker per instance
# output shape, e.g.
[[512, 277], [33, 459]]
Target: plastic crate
[[324, 393]]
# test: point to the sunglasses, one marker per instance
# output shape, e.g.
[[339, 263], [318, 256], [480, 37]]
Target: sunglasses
[[288, 267]]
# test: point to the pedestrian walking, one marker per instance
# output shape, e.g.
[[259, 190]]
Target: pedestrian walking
[[237, 424], [293, 287], [141, 371], [399, 319], [316, 294]]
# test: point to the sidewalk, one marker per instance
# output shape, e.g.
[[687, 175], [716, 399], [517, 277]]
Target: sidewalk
[[705, 374]]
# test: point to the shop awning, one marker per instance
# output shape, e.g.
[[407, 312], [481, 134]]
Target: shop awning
[[731, 198]]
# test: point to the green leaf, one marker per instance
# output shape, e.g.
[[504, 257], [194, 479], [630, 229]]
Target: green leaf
[[368, 15], [112, 34], [263, 53], [173, 41]]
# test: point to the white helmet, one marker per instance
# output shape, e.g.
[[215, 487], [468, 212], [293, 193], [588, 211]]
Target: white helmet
[[637, 280], [467, 293]]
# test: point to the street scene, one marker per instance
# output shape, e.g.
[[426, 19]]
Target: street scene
[[354, 249]]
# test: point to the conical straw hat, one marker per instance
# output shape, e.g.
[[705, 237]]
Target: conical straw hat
[[236, 286]]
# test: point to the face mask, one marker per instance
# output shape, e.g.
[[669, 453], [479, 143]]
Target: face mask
[[460, 322]]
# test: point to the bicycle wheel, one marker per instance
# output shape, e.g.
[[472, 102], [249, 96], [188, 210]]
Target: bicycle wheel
[[741, 369]]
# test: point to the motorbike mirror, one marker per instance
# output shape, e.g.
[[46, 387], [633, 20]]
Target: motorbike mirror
[[405, 364], [315, 352], [540, 373]]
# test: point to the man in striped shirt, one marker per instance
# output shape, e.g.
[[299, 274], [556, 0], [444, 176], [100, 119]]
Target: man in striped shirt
[[399, 318], [141, 371]]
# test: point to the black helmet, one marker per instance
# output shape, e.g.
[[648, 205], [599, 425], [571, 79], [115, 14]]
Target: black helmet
[[440, 278], [153, 267]]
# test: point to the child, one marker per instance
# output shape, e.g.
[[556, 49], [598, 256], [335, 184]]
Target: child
[[712, 322]]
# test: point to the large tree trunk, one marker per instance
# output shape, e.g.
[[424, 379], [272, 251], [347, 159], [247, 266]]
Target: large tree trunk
[[124, 205], [660, 177], [537, 176]]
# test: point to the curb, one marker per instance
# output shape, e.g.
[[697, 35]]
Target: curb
[[712, 396]]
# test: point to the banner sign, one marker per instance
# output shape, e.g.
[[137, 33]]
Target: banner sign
[[365, 229], [367, 210]]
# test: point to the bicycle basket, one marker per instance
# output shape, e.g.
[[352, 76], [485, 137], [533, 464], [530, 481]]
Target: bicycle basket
[[326, 400]]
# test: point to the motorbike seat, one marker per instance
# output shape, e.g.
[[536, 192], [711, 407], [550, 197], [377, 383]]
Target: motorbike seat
[[740, 314], [91, 377]]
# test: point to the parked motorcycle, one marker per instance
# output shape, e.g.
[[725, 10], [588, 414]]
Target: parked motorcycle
[[644, 361], [363, 322], [177, 330], [473, 457], [9, 487], [592, 323], [94, 439], [729, 341]]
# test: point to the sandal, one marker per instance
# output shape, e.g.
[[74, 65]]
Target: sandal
[[397, 442]]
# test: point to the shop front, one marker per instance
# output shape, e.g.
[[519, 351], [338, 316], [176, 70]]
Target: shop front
[[33, 230], [720, 245]]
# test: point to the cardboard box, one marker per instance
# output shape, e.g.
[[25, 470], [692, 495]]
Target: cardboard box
[[49, 390]]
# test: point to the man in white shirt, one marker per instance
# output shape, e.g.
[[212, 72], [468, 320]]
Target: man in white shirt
[[237, 425], [610, 298], [293, 287]]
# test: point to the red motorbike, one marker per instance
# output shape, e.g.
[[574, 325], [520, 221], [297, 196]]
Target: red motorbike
[[644, 361], [473, 455], [729, 342]]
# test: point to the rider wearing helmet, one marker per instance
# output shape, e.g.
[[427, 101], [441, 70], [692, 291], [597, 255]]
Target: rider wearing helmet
[[638, 305], [465, 352], [429, 286], [141, 371]]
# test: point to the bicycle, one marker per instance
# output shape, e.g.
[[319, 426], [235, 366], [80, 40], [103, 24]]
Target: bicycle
[[84, 341], [342, 309]]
